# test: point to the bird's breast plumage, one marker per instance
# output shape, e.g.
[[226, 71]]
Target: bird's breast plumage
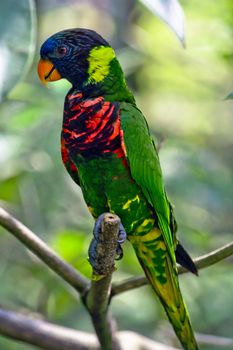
[[91, 127]]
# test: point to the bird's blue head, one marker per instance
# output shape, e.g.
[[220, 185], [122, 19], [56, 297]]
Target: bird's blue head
[[79, 55]]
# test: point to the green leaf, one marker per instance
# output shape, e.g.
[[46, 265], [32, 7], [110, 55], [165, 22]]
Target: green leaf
[[171, 12], [229, 97], [73, 247], [17, 41]]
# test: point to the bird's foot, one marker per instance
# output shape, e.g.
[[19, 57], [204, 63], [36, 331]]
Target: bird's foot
[[98, 238], [121, 239]]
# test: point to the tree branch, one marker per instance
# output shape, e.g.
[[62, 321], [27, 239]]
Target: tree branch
[[201, 262], [48, 336], [211, 258], [43, 334], [40, 249], [97, 299]]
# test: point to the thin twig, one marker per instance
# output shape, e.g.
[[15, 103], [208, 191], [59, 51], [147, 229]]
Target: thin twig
[[40, 249], [211, 258], [201, 262], [97, 299]]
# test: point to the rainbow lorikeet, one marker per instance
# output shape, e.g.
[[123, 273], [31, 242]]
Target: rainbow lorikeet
[[108, 151]]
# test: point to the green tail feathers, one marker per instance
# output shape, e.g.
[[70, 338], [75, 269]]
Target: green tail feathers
[[157, 265]]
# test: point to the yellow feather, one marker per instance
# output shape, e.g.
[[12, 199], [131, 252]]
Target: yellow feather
[[99, 63], [130, 201], [154, 258]]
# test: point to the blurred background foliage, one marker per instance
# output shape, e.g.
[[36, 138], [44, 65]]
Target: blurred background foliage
[[182, 94]]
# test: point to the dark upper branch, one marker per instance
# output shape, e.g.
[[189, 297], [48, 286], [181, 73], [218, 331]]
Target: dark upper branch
[[47, 255], [201, 262]]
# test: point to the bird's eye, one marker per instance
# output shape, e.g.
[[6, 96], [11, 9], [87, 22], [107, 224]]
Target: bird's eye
[[62, 50]]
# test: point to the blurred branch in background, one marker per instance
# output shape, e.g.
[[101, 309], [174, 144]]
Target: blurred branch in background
[[53, 337], [215, 341], [43, 334], [43, 252], [201, 262]]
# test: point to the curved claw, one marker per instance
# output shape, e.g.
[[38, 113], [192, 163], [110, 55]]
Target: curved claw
[[122, 234], [119, 252], [92, 252], [97, 227], [121, 239]]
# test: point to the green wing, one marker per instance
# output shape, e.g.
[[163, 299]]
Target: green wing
[[145, 167]]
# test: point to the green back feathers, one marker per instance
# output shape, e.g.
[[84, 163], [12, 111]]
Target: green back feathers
[[145, 168]]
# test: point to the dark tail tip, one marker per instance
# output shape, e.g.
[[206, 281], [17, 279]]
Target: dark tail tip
[[183, 258]]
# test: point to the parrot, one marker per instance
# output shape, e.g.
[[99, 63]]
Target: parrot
[[107, 149]]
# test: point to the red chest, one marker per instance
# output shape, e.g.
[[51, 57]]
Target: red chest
[[91, 127]]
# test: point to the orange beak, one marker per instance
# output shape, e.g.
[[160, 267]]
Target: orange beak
[[47, 72]]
